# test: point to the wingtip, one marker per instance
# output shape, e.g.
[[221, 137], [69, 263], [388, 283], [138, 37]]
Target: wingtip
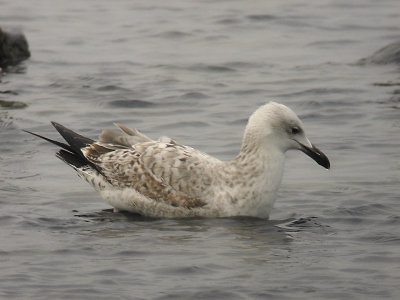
[[30, 132], [27, 131], [55, 124]]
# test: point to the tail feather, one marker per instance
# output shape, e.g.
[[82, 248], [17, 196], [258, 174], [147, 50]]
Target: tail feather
[[70, 153], [86, 171], [72, 159]]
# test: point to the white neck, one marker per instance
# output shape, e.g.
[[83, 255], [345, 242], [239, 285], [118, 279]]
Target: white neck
[[255, 176], [264, 164]]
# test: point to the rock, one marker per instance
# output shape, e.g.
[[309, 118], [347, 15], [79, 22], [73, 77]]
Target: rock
[[387, 55], [13, 48]]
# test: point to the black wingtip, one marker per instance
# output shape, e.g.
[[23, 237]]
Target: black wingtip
[[72, 153], [57, 125], [75, 140], [62, 145]]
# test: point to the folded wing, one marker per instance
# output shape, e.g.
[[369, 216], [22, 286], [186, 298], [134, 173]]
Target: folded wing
[[164, 171]]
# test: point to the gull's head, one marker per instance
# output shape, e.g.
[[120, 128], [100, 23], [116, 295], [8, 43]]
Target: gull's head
[[276, 126]]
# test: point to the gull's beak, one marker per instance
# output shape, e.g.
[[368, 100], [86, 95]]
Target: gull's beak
[[316, 155], [313, 152]]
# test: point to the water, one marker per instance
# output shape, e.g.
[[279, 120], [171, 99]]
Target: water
[[194, 71]]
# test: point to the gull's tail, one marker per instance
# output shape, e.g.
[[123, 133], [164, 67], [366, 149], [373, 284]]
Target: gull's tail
[[70, 153]]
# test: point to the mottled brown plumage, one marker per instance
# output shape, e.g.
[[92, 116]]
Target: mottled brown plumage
[[142, 168]]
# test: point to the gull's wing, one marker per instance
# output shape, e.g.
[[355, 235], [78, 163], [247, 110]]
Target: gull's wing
[[185, 169], [165, 172], [126, 138]]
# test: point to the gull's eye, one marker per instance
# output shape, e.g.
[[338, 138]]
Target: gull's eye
[[296, 130]]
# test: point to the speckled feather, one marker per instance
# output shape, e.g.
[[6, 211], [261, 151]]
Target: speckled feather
[[147, 168]]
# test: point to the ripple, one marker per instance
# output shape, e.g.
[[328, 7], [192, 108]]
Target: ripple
[[323, 91], [131, 103], [389, 83], [211, 68], [184, 125], [173, 34], [110, 272], [248, 92], [207, 293], [245, 65], [242, 121], [12, 104], [381, 238], [194, 95], [9, 92], [109, 88], [5, 220], [228, 21], [261, 17], [185, 271], [328, 44], [131, 253], [383, 258], [304, 223], [362, 210]]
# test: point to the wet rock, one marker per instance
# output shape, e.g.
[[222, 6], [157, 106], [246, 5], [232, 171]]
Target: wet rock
[[387, 55], [13, 48]]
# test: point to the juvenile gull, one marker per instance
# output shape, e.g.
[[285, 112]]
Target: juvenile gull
[[169, 180]]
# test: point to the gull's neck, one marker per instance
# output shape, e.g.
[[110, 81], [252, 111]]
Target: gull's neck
[[258, 161], [258, 156], [252, 179]]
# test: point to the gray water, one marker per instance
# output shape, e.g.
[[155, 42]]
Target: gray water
[[194, 71]]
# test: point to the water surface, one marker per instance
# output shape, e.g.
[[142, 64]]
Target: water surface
[[195, 71]]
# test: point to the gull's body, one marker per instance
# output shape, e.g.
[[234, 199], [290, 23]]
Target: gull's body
[[166, 179]]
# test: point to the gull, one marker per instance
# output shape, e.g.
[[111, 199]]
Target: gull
[[165, 179]]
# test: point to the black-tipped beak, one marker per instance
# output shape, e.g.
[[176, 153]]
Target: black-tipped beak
[[316, 155]]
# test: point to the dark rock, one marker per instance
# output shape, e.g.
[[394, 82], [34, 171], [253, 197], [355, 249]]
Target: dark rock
[[13, 48], [387, 55]]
